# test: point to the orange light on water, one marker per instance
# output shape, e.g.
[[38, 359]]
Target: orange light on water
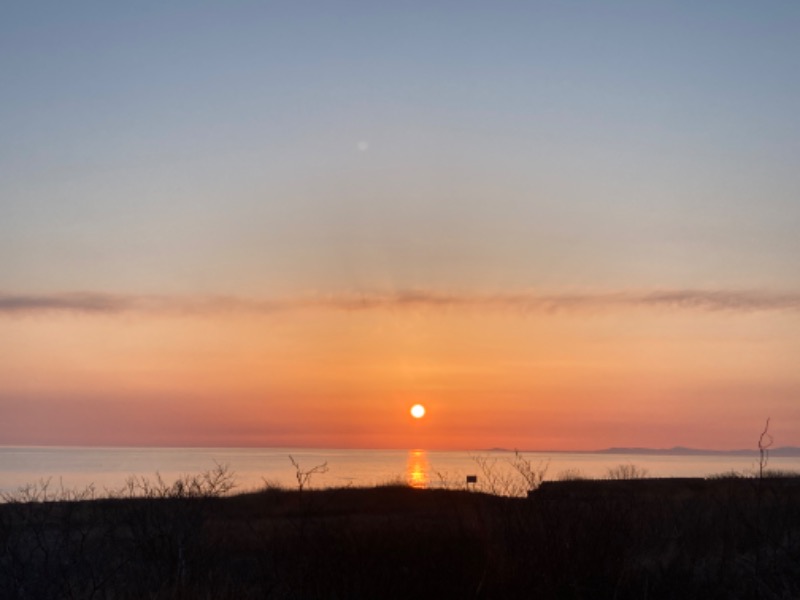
[[417, 471]]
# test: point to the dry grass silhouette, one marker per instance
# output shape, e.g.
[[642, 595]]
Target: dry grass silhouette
[[728, 536]]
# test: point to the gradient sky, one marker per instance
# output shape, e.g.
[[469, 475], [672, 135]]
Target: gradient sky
[[558, 225]]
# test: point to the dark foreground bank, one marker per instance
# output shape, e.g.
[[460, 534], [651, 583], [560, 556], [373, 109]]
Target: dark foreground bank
[[723, 538]]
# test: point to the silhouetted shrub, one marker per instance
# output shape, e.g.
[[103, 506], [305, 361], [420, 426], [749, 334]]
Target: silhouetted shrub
[[626, 471]]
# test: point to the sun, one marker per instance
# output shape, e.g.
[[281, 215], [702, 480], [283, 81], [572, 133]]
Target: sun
[[418, 411]]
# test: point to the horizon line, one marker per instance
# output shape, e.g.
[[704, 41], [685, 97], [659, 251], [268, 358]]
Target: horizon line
[[606, 450]]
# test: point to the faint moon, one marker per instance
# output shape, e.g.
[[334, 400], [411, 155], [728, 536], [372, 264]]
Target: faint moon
[[362, 146], [418, 411]]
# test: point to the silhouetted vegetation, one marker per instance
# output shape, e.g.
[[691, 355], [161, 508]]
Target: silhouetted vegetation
[[729, 536]]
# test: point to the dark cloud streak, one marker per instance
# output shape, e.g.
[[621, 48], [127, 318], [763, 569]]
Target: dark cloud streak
[[96, 303]]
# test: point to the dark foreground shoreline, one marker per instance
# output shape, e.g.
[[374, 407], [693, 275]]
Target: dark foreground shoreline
[[678, 538]]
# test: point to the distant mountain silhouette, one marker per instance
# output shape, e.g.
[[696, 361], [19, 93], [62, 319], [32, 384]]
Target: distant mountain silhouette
[[784, 451]]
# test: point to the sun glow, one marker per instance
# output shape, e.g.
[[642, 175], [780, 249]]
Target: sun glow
[[418, 411]]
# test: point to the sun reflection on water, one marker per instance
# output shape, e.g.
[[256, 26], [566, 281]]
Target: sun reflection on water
[[418, 469]]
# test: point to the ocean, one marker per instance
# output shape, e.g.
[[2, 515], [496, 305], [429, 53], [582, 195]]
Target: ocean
[[107, 469]]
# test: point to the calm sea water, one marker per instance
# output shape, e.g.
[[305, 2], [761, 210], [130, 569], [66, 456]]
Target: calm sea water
[[106, 469]]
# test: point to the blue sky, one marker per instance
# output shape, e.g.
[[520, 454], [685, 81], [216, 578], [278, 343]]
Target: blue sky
[[466, 153], [512, 144]]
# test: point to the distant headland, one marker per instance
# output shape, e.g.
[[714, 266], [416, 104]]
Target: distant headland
[[781, 452]]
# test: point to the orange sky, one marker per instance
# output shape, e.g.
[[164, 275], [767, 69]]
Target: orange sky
[[489, 377], [558, 225]]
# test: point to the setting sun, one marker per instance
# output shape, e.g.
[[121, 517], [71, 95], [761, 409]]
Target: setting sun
[[418, 411]]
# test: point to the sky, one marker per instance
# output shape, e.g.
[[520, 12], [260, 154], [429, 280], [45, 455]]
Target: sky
[[557, 225]]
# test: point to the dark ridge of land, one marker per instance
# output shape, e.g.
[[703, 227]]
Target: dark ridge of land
[[649, 538], [783, 451]]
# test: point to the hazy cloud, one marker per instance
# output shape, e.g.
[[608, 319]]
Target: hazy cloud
[[77, 302], [525, 302]]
